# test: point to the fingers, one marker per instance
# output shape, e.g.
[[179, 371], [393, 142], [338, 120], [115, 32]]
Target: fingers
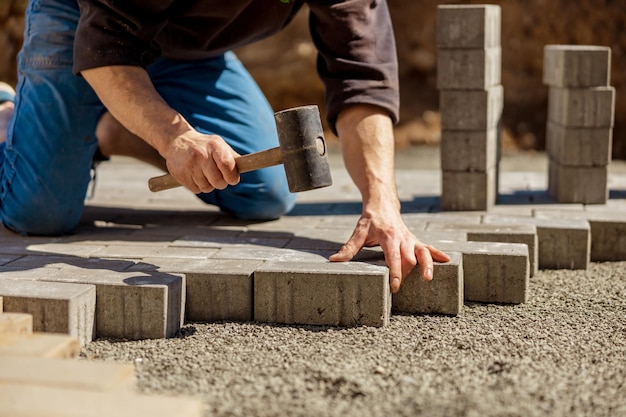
[[352, 247]]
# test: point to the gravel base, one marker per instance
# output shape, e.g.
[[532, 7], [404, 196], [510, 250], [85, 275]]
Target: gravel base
[[563, 353]]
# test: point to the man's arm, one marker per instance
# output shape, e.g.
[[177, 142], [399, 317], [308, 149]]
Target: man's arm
[[198, 161], [366, 135]]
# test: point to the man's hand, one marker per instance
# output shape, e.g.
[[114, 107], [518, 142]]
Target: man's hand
[[200, 162], [403, 251], [366, 133]]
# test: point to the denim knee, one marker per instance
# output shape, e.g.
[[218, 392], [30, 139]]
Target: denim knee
[[42, 219]]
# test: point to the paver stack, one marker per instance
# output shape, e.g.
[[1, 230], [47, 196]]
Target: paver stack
[[580, 122], [471, 101]]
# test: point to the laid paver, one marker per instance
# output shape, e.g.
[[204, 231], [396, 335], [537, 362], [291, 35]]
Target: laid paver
[[576, 66], [43, 345], [468, 26], [492, 272], [563, 243], [216, 290], [525, 234], [17, 401], [16, 323], [442, 295], [56, 307], [608, 231], [131, 305], [67, 373], [334, 294]]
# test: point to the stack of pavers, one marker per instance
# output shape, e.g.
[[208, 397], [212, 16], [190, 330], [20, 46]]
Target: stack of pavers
[[580, 122], [40, 376], [471, 101]]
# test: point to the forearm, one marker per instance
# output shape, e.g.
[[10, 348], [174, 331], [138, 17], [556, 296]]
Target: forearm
[[366, 134], [128, 94]]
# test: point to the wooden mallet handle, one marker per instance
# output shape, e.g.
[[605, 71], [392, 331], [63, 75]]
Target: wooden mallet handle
[[245, 163]]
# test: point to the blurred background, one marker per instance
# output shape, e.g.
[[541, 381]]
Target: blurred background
[[284, 65]]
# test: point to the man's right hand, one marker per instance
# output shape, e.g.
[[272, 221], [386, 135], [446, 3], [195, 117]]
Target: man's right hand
[[198, 161], [202, 162]]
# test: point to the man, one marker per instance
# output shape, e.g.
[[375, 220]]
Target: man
[[156, 80]]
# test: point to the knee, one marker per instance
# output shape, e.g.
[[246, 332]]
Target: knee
[[40, 220], [264, 200], [266, 206]]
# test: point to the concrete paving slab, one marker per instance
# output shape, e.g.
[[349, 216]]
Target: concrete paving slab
[[16, 401], [525, 234], [334, 294], [592, 107], [468, 26], [19, 323], [469, 69], [576, 66], [608, 231], [578, 184], [221, 290], [563, 243], [131, 305], [67, 373], [492, 272], [140, 251], [579, 146], [471, 109], [273, 254], [469, 151], [468, 190], [56, 307], [442, 295], [42, 345]]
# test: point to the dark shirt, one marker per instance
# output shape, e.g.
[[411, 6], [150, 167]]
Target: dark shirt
[[357, 56]]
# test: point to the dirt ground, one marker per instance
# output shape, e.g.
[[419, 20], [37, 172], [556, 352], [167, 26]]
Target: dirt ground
[[560, 354]]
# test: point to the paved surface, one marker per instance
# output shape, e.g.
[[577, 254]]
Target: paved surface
[[560, 353]]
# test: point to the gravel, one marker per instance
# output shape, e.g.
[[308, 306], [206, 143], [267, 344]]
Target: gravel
[[563, 353]]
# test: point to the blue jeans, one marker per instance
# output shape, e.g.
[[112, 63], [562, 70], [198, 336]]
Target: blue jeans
[[45, 163]]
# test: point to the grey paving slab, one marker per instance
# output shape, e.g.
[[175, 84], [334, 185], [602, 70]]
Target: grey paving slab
[[525, 234], [140, 251], [221, 290], [576, 65], [471, 109], [131, 305], [56, 307], [582, 107], [201, 241], [336, 294], [468, 26], [468, 190], [28, 274], [563, 243], [30, 264], [469, 150], [578, 184], [608, 231], [442, 295], [273, 254], [579, 146], [5, 259], [493, 272], [469, 69]]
